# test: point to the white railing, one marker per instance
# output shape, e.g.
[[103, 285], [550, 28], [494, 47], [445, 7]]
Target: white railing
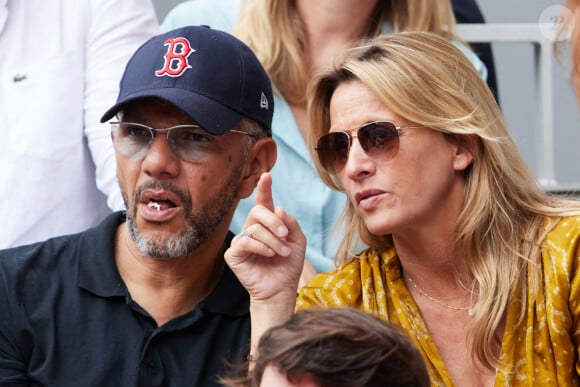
[[542, 37]]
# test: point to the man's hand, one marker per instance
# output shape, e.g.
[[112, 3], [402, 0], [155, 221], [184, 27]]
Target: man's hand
[[268, 256]]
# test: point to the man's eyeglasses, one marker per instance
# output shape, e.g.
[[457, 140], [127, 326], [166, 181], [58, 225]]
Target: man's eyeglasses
[[379, 140], [188, 142]]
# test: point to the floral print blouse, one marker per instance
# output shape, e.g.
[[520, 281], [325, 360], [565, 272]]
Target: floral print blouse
[[541, 351]]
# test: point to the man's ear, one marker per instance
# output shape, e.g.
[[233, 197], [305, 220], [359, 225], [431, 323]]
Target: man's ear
[[261, 159]]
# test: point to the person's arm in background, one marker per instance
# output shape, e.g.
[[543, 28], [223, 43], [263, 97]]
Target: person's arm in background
[[117, 28], [467, 11]]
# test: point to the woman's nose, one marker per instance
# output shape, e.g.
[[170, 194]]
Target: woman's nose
[[358, 163]]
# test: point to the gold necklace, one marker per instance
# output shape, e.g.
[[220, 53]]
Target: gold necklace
[[469, 309]]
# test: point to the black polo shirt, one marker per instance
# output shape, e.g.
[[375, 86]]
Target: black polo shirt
[[67, 319]]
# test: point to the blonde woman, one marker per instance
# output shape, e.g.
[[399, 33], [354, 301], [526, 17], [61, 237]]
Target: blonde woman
[[467, 253], [295, 40]]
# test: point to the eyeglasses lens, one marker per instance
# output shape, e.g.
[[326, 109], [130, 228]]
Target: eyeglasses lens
[[134, 140], [131, 140]]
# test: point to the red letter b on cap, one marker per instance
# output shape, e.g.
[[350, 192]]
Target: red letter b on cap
[[178, 50]]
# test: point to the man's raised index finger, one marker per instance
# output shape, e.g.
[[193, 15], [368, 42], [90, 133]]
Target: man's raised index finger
[[264, 192]]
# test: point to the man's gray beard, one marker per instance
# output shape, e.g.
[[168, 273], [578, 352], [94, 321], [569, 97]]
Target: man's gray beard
[[200, 227]]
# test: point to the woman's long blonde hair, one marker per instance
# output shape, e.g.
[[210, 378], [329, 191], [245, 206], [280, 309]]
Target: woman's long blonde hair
[[274, 30], [426, 80]]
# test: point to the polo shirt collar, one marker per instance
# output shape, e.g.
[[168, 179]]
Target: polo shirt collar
[[97, 271]]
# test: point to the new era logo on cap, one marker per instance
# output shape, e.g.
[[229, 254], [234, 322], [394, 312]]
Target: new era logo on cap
[[210, 75], [264, 102]]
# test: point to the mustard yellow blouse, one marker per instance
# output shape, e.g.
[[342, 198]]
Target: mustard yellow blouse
[[543, 351]]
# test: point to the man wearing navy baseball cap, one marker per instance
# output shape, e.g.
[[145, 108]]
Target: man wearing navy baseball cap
[[145, 298]]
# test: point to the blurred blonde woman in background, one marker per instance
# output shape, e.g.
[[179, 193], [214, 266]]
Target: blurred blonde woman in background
[[294, 40], [467, 253]]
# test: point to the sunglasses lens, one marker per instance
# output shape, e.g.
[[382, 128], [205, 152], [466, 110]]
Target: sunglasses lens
[[332, 150], [380, 140]]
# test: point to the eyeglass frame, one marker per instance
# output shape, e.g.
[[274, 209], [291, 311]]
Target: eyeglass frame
[[153, 131], [351, 137]]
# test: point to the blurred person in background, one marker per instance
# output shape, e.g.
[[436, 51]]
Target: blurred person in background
[[569, 31], [60, 66], [468, 11]]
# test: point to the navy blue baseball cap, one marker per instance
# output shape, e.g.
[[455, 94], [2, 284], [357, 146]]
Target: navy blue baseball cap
[[210, 75]]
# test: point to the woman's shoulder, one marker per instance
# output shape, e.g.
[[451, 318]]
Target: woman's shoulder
[[562, 230], [560, 237]]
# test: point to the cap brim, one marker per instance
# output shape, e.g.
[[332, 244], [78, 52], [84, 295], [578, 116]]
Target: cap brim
[[212, 116]]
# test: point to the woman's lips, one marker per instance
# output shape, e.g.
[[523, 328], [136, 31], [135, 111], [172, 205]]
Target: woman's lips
[[368, 199]]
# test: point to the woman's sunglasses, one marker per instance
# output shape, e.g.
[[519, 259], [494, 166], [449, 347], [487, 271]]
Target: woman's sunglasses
[[379, 140]]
